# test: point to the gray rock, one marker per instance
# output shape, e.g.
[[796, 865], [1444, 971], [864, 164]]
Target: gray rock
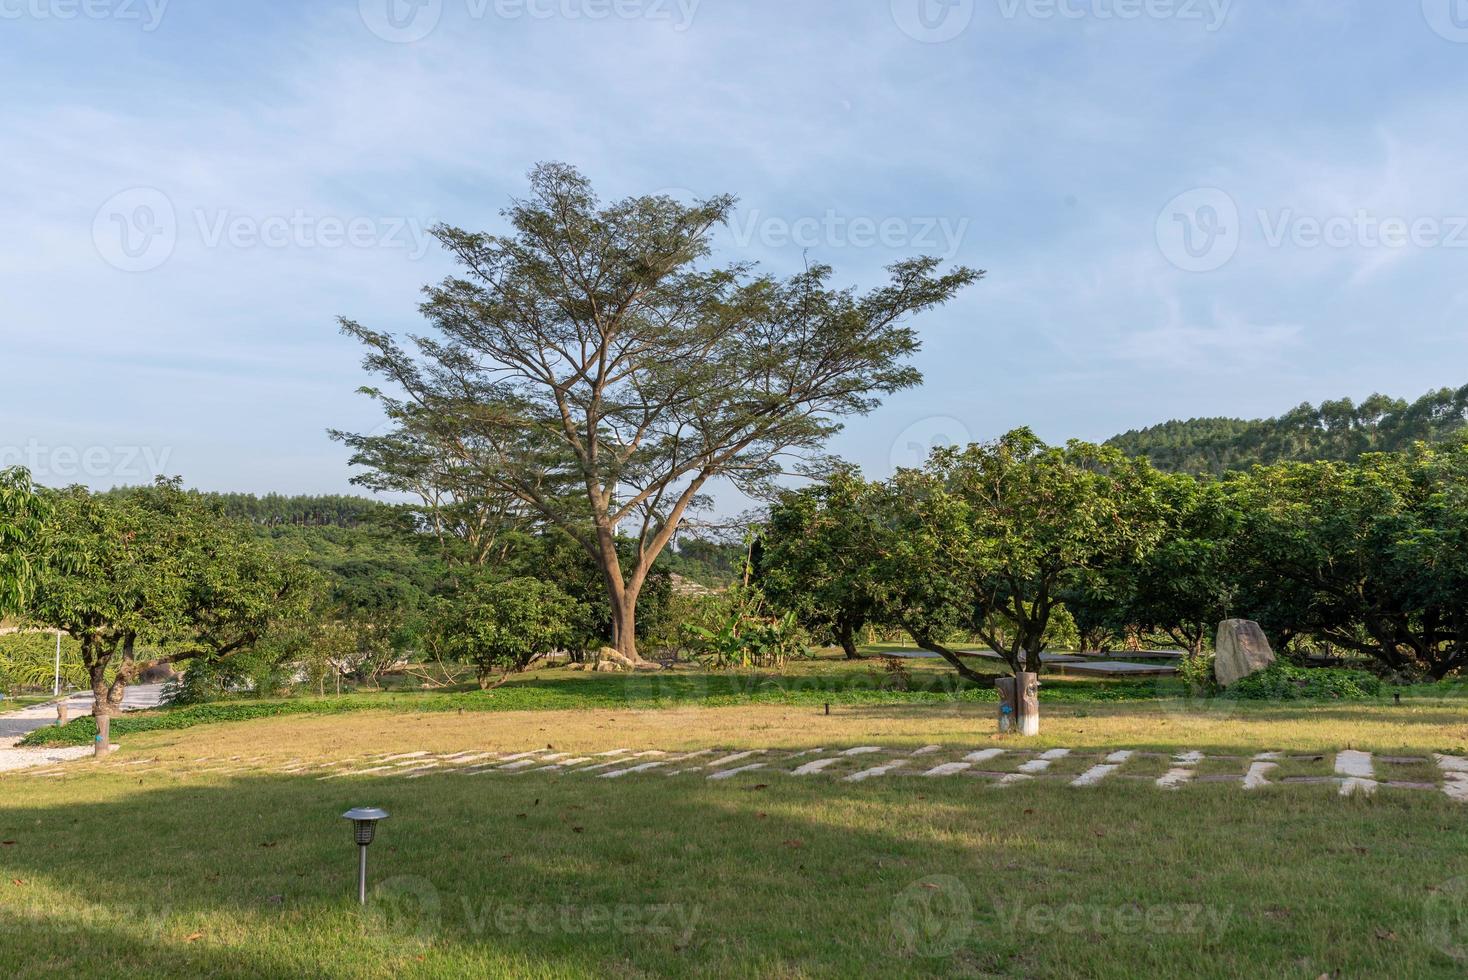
[[1241, 650]]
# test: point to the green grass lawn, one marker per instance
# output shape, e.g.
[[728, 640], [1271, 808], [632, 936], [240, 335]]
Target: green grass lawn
[[170, 869], [551, 877]]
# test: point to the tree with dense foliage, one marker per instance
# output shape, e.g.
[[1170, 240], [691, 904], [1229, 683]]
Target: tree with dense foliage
[[1335, 430], [506, 626], [983, 540], [156, 567], [589, 366], [21, 514], [1373, 556], [1184, 585], [817, 554]]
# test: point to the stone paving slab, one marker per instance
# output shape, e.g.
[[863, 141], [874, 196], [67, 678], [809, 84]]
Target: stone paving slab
[[1351, 770]]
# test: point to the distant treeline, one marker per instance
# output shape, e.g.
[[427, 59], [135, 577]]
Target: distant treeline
[[1334, 430], [276, 510]]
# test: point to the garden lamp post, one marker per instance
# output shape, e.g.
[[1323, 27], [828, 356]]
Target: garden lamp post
[[364, 828]]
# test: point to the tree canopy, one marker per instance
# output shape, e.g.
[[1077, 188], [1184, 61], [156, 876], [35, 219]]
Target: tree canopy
[[589, 365]]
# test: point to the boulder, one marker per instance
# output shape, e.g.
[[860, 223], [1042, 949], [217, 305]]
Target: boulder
[[1242, 649], [610, 655]]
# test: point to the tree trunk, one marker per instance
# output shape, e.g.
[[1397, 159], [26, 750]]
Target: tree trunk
[[846, 636]]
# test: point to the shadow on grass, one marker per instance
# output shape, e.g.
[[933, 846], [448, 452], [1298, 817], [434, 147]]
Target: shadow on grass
[[564, 876]]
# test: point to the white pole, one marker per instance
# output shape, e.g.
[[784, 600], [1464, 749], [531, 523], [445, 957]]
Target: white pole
[[56, 689]]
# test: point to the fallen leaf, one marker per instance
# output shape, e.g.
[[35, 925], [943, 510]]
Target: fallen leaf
[[193, 937], [268, 843], [1386, 934], [795, 843], [7, 843], [17, 882], [578, 830], [929, 886]]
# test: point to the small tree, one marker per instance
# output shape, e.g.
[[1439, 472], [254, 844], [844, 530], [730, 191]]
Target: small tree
[[507, 626], [984, 539], [816, 557]]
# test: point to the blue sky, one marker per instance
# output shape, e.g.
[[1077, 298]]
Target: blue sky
[[1185, 207]]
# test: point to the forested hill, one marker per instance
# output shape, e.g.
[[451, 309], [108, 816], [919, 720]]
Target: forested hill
[[274, 509], [1336, 430]]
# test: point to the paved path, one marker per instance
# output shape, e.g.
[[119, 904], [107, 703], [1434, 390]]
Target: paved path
[[15, 725]]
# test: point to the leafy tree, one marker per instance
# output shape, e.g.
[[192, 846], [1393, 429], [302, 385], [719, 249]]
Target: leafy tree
[[588, 365], [984, 539], [156, 567], [817, 554], [1184, 585], [506, 626], [21, 515], [1372, 557]]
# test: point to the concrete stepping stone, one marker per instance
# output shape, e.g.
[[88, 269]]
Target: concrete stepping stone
[[1174, 778], [733, 758], [1188, 758], [1258, 775], [1010, 778], [1117, 758], [983, 755], [401, 755], [875, 771], [811, 768], [803, 753], [1094, 775], [928, 750], [618, 773], [1044, 761], [518, 765], [863, 750], [731, 773], [1358, 771], [948, 768]]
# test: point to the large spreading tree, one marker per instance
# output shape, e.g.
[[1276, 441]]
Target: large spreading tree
[[590, 364]]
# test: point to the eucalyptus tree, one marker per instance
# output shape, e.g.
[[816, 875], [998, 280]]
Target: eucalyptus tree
[[592, 365], [21, 515], [984, 539]]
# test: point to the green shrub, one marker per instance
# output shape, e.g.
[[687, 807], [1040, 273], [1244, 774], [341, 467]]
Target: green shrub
[[1284, 682]]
